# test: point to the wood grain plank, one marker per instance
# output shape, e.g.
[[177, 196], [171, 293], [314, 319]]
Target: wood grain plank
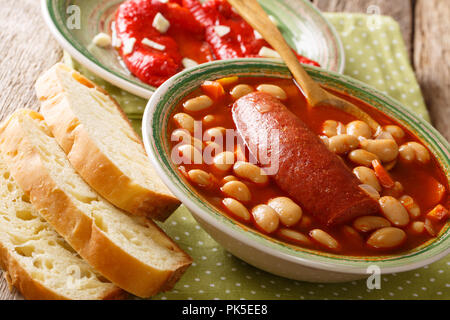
[[27, 48], [432, 59], [400, 10]]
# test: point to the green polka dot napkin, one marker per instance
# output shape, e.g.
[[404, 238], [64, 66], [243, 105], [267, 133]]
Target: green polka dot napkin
[[375, 54]]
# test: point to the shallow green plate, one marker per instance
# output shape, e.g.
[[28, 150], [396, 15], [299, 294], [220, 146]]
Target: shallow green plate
[[302, 25], [156, 139]]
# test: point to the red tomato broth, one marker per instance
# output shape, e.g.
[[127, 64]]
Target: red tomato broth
[[414, 177]]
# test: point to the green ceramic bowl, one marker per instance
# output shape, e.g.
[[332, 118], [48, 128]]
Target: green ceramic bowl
[[271, 255], [301, 24]]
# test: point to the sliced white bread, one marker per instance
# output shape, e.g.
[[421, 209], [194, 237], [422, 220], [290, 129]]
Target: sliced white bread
[[101, 144], [130, 251], [36, 260]]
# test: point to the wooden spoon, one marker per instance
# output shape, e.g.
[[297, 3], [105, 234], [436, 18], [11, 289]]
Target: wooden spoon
[[251, 11]]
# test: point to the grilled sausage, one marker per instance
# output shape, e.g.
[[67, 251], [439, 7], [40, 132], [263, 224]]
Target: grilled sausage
[[307, 170]]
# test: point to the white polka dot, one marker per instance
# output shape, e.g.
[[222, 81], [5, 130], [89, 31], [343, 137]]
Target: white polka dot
[[253, 292], [223, 278], [197, 279], [208, 272], [186, 286], [174, 223], [200, 243], [212, 285], [219, 264], [278, 295], [177, 238], [237, 284], [201, 291], [163, 298], [186, 233], [227, 291]]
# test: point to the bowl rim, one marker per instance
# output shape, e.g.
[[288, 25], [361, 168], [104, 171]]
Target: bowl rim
[[186, 80], [122, 82]]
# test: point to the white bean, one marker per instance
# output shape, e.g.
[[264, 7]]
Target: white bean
[[387, 238], [393, 210], [228, 179], [236, 208], [184, 121], [209, 119], [359, 129], [369, 223], [240, 90], [385, 149], [331, 128], [294, 236], [236, 190], [198, 103], [290, 213], [396, 132], [418, 227], [413, 151], [190, 155], [371, 192], [324, 239], [213, 134], [410, 205], [200, 177], [183, 136], [224, 160], [362, 157], [250, 172], [367, 176], [342, 143], [266, 218], [273, 90]]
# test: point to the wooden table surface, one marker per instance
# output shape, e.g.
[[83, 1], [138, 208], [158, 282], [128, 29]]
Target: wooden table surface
[[27, 48]]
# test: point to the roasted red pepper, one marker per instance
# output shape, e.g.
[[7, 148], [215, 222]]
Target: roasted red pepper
[[192, 34], [134, 20]]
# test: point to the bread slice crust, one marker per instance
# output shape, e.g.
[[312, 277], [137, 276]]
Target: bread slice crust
[[101, 173], [79, 229], [33, 289]]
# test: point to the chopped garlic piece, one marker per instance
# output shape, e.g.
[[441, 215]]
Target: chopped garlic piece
[[128, 45], [221, 30], [188, 63], [268, 53], [153, 44], [102, 40], [160, 23], [257, 34]]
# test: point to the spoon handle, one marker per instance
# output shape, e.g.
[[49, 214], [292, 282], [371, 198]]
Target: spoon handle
[[255, 15]]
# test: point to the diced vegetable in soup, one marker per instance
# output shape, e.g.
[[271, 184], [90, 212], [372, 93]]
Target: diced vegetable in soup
[[314, 178]]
